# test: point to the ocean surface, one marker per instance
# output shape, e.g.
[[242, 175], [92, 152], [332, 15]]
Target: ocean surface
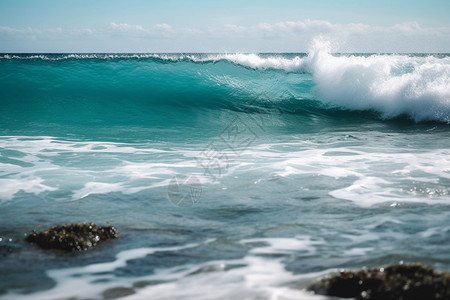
[[228, 176]]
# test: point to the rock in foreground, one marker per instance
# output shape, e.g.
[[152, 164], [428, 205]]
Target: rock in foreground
[[406, 282], [72, 237]]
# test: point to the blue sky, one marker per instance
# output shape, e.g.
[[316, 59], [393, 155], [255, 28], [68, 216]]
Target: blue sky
[[223, 26]]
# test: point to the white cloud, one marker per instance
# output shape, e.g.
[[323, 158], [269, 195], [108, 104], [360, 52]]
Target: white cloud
[[280, 36], [125, 27], [19, 33], [163, 26], [138, 31]]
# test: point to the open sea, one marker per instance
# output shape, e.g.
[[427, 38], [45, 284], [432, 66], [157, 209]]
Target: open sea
[[227, 176]]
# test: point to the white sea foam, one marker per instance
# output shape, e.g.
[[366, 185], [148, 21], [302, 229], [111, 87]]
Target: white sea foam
[[43, 166], [105, 167], [10, 186], [390, 84], [106, 56], [366, 176], [358, 251], [282, 245], [259, 279], [373, 175], [251, 277]]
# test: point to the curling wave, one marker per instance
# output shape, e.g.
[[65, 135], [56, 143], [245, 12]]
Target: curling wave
[[417, 86]]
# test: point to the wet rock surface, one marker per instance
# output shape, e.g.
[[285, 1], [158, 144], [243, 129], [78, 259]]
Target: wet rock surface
[[406, 282], [72, 237]]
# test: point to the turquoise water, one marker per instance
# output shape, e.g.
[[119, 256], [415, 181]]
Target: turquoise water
[[246, 175]]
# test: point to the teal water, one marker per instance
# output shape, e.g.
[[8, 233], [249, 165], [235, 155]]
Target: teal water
[[246, 175]]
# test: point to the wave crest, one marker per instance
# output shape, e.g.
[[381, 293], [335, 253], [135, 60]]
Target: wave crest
[[393, 85]]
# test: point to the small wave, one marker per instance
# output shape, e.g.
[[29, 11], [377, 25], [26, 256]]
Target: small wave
[[105, 56]]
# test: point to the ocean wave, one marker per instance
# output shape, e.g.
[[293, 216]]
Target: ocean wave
[[392, 85], [90, 56]]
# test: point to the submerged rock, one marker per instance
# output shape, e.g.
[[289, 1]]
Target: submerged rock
[[72, 237], [118, 292], [406, 282]]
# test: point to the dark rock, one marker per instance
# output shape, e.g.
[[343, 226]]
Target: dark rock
[[406, 282], [118, 292], [72, 237], [145, 283]]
